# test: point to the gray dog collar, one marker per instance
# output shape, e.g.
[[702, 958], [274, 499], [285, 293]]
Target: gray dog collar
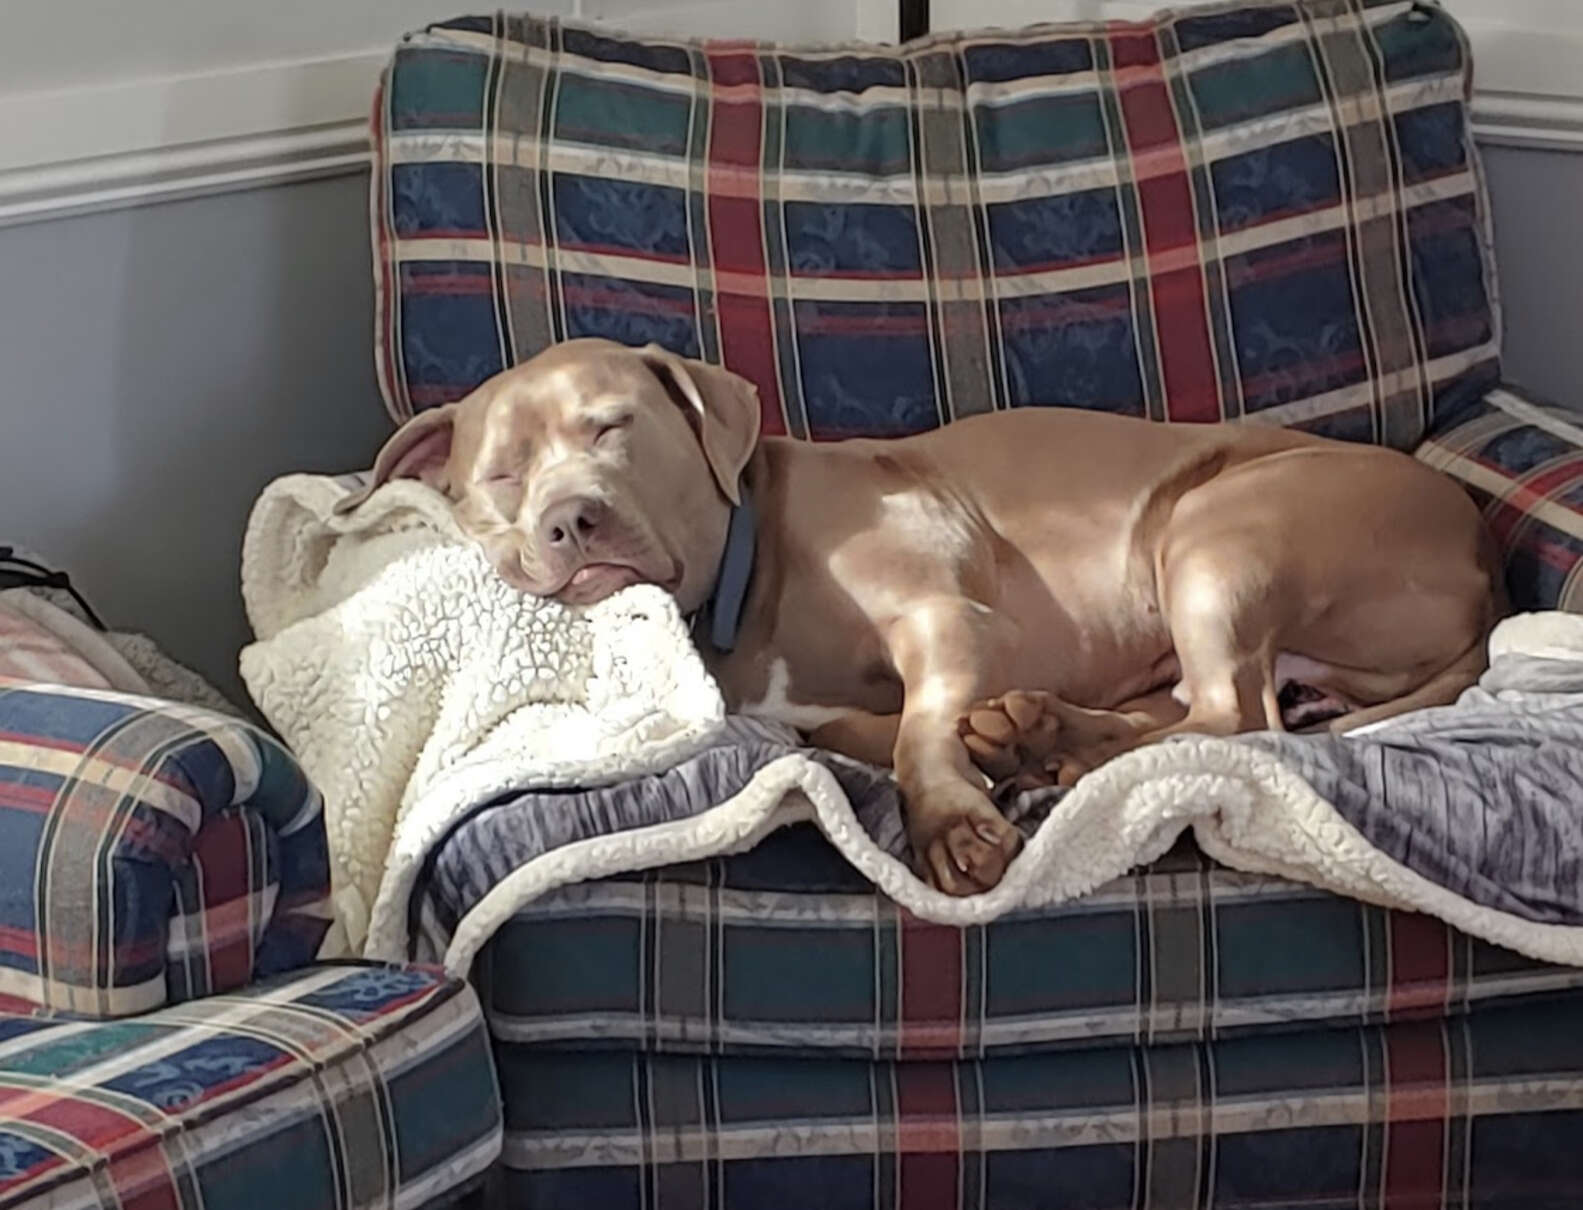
[[721, 615]]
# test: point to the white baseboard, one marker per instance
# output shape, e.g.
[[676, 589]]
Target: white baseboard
[[142, 141]]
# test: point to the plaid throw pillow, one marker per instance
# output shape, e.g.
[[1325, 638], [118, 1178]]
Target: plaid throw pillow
[[1269, 211], [1523, 462]]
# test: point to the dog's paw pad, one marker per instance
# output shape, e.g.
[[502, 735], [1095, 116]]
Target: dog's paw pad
[[1010, 736], [971, 855]]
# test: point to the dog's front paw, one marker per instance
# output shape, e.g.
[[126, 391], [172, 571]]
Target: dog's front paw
[[962, 843], [1011, 738], [1028, 739]]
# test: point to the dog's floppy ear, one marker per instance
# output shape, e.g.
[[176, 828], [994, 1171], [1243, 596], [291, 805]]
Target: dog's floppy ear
[[419, 449], [722, 407]]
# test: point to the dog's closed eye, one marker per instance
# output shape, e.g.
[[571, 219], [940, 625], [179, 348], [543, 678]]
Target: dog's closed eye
[[608, 426]]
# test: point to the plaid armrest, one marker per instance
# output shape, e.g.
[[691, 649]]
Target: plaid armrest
[[149, 853], [1523, 463]]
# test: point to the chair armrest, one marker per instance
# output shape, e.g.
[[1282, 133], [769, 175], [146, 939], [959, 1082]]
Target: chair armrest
[[150, 852]]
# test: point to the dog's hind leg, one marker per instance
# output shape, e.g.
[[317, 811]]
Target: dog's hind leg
[[1440, 690]]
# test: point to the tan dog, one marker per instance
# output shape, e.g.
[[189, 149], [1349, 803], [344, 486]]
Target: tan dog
[[1033, 591]]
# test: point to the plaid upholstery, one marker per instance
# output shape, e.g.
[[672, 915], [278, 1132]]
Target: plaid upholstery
[[332, 1089], [1523, 462], [149, 853], [787, 950], [1269, 211], [1483, 1112]]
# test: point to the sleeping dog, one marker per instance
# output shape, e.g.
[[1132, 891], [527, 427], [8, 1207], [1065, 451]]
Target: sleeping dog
[[1023, 594]]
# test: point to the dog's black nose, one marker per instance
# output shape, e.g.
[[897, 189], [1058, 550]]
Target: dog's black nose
[[573, 521]]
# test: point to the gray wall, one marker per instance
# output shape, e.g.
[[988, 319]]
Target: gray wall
[[157, 367], [160, 365], [1538, 204]]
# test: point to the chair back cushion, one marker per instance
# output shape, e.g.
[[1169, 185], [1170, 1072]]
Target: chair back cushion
[[1268, 210]]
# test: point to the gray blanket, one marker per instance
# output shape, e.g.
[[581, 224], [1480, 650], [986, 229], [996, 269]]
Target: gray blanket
[[1483, 798]]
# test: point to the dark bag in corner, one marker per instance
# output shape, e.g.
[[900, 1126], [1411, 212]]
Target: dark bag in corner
[[18, 571]]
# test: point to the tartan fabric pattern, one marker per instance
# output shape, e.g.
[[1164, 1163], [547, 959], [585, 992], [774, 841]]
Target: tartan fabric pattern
[[149, 853], [1268, 211], [786, 950], [1523, 462], [331, 1089], [1482, 1112]]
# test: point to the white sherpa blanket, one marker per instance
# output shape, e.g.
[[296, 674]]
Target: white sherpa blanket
[[415, 686], [412, 682]]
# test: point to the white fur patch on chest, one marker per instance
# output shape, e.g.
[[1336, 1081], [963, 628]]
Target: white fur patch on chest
[[777, 706]]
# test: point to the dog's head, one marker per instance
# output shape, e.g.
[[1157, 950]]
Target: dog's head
[[589, 468]]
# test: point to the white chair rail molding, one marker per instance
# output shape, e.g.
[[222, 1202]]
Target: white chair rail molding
[[129, 103]]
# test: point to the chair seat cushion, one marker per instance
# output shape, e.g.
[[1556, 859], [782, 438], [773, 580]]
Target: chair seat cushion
[[338, 1086], [787, 950], [1486, 1114]]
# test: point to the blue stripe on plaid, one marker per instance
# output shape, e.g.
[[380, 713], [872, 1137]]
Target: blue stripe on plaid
[[786, 950], [1484, 1111], [152, 852], [1271, 210], [336, 1087]]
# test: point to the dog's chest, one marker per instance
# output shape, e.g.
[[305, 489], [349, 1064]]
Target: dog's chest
[[807, 674], [776, 703]]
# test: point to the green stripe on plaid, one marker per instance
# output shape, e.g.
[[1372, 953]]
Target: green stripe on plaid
[[785, 950], [1267, 210], [1484, 1111], [1523, 462], [342, 1086]]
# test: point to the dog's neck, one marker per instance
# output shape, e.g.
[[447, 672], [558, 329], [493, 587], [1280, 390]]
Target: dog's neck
[[719, 619]]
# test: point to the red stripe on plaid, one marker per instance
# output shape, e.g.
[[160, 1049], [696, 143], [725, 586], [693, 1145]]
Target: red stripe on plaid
[[448, 285], [1417, 1098], [1187, 360], [80, 955], [1420, 963], [930, 1014], [143, 1181], [736, 234], [434, 395], [1537, 540], [223, 854], [61, 1108], [1418, 1103], [1531, 489], [928, 1137]]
